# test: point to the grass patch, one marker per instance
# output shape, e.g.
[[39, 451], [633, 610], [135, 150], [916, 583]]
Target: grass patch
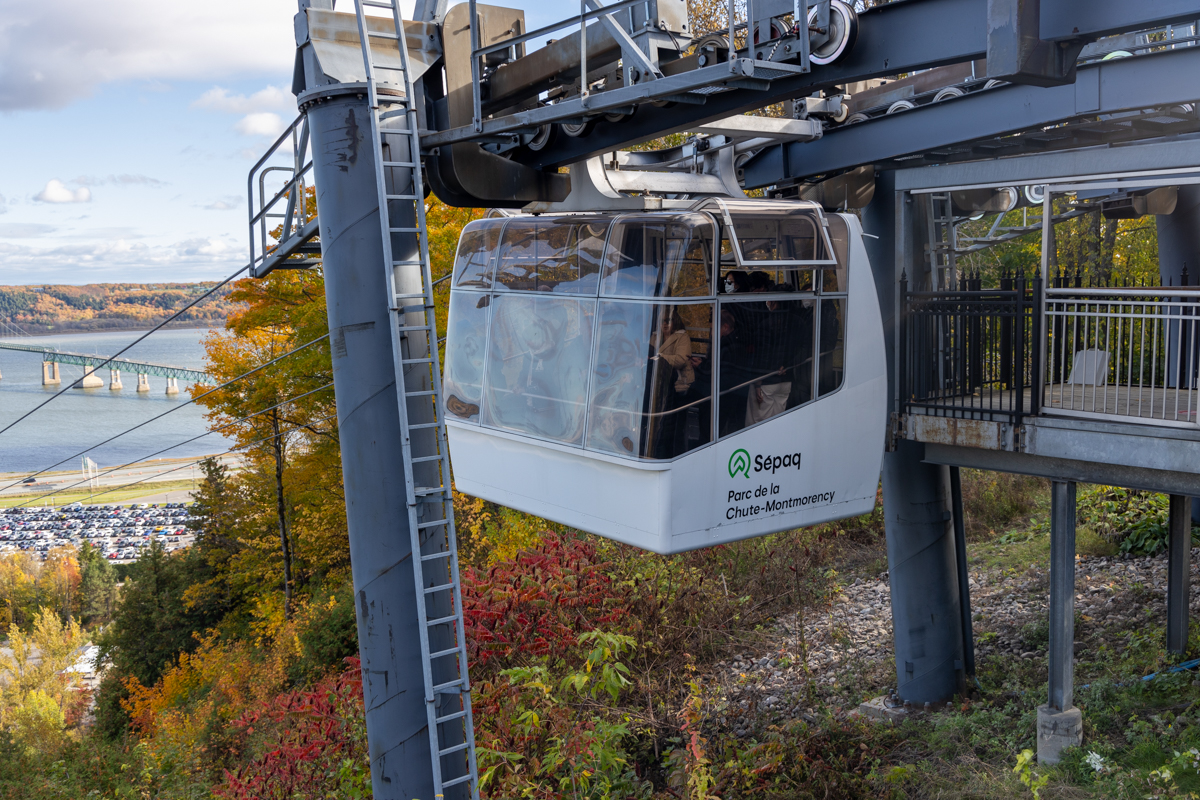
[[95, 498]]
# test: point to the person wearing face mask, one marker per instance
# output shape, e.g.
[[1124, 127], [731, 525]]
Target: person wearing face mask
[[735, 283]]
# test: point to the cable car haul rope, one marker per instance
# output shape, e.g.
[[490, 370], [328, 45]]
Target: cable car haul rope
[[644, 375]]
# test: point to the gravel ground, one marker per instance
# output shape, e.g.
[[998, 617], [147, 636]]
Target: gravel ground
[[851, 641]]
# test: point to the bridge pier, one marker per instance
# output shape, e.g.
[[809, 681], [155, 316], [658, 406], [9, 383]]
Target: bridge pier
[[89, 379], [143, 384], [50, 376], [172, 386], [114, 380]]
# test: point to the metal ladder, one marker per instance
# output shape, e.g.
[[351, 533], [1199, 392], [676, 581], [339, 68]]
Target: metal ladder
[[419, 390], [943, 241]]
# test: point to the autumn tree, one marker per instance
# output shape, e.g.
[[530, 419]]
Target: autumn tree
[[38, 694]]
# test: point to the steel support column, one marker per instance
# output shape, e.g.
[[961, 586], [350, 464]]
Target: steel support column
[[1062, 595], [1059, 723], [1179, 562], [922, 562], [369, 429], [964, 574]]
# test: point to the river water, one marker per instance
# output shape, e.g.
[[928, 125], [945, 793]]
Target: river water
[[83, 418]]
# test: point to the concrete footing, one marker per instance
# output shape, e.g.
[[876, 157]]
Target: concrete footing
[[1056, 731], [89, 380], [143, 384], [883, 708], [172, 386], [50, 376], [114, 380]]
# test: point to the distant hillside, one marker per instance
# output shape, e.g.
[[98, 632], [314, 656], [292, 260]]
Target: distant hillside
[[109, 306]]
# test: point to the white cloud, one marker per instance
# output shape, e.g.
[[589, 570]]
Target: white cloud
[[263, 123], [53, 52], [224, 204], [3, 205], [118, 180], [120, 259], [57, 192], [272, 97], [24, 230]]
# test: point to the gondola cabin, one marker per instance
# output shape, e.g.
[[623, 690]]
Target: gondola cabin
[[669, 379]]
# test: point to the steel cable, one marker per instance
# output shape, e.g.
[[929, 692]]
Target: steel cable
[[200, 460], [125, 349], [169, 411], [209, 432]]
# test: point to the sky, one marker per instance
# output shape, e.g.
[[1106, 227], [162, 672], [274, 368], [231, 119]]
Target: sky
[[128, 129]]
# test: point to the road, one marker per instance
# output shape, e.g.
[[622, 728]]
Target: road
[[148, 472]]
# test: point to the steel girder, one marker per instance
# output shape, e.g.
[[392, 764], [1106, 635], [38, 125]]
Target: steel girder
[[894, 38], [967, 127]]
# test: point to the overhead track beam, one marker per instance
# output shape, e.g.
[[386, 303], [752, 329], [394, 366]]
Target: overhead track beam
[[893, 39], [1159, 79]]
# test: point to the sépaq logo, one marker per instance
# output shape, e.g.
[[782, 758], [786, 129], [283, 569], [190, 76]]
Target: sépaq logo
[[741, 461]]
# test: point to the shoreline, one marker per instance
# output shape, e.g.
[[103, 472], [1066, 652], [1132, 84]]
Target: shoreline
[[140, 329]]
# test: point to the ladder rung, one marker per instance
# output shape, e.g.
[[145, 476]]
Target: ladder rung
[[406, 230], [425, 491], [422, 459], [409, 164], [376, 4], [444, 653], [448, 717], [420, 296], [441, 620], [442, 687], [416, 361], [423, 525], [423, 425], [414, 328], [402, 197], [441, 588], [379, 35], [418, 394], [432, 556], [453, 749], [456, 781], [409, 263]]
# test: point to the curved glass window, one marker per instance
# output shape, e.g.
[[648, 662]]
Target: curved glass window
[[834, 279], [833, 345], [476, 246], [467, 328], [659, 255], [651, 391], [551, 254], [766, 358], [538, 359], [778, 236]]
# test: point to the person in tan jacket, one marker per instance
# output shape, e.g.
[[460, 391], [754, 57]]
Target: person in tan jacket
[[676, 350], [673, 345]]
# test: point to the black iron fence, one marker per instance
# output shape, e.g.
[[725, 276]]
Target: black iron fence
[[970, 352]]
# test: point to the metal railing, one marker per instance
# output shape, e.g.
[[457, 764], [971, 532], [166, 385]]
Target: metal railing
[[968, 353], [1123, 352], [265, 212]]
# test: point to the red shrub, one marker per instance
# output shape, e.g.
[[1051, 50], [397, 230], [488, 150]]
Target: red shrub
[[538, 603], [311, 741]]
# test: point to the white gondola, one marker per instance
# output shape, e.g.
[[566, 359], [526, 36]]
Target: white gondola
[[584, 353]]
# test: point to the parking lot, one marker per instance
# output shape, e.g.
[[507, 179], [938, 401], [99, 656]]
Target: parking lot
[[118, 531]]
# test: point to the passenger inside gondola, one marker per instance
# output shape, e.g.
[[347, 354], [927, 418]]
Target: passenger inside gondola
[[598, 331]]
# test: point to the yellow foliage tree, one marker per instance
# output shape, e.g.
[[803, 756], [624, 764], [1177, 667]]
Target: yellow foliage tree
[[37, 692]]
